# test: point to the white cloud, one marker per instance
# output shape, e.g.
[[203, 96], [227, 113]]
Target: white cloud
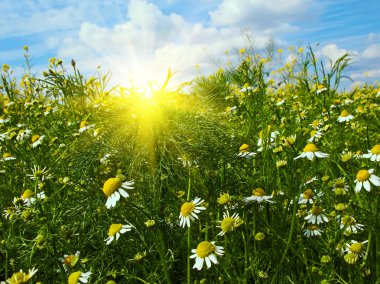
[[143, 48], [368, 74], [333, 52], [264, 15], [372, 51]]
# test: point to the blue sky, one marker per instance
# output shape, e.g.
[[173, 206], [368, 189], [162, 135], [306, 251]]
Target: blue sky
[[140, 39]]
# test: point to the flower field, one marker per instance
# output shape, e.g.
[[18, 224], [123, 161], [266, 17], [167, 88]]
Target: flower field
[[263, 172]]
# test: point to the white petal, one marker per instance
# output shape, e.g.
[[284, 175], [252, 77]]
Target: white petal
[[358, 186], [375, 180], [208, 262], [212, 257], [198, 263], [367, 185], [123, 193]]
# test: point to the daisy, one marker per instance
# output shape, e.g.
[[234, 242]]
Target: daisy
[[308, 196], [8, 157], [312, 231], [189, 211], [373, 154], [23, 134], [345, 116], [115, 230], [83, 126], [259, 195], [186, 160], [28, 197], [229, 223], [315, 135], [113, 188], [363, 179], [310, 151], [37, 173], [244, 151], [262, 140], [289, 141], [340, 187], [11, 212], [37, 140], [79, 277], [348, 223], [224, 199], [316, 216], [22, 277], [356, 247], [206, 251], [69, 261]]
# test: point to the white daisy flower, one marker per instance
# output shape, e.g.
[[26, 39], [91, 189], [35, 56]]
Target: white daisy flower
[[83, 126], [373, 154], [258, 195], [363, 179], [23, 134], [206, 252], [38, 174], [316, 216], [22, 277], [113, 188], [312, 231], [8, 157], [315, 135], [229, 223], [310, 151], [69, 261], [186, 160], [308, 196], [349, 224], [29, 197], [244, 151], [345, 116], [37, 140], [79, 277], [189, 211], [115, 230], [356, 247]]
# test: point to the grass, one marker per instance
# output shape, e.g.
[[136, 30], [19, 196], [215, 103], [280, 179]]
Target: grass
[[239, 142]]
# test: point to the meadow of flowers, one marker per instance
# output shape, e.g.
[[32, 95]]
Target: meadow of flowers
[[260, 173]]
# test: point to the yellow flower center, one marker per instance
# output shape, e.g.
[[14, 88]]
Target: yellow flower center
[[111, 185], [187, 208], [114, 229], [204, 249], [224, 198], [315, 123], [35, 137], [71, 260], [339, 183], [310, 148], [344, 113], [363, 175], [7, 155], [19, 277], [308, 194], [316, 210], [27, 194], [259, 192], [228, 224], [376, 149], [336, 102], [74, 277], [83, 123], [313, 227], [357, 247], [244, 148]]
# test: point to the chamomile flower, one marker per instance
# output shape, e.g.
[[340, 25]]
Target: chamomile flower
[[224, 199], [349, 224], [308, 196], [229, 223], [79, 277], [29, 197], [312, 231], [244, 151], [23, 134], [373, 154], [363, 179], [316, 216], [258, 195], [113, 188], [83, 126], [115, 230], [69, 261], [356, 248], [37, 140], [189, 211], [340, 186], [8, 157], [315, 135], [206, 252], [311, 151], [22, 277], [186, 160], [38, 173], [345, 116]]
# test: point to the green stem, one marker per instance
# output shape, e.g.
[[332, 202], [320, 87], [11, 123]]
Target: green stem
[[188, 256]]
